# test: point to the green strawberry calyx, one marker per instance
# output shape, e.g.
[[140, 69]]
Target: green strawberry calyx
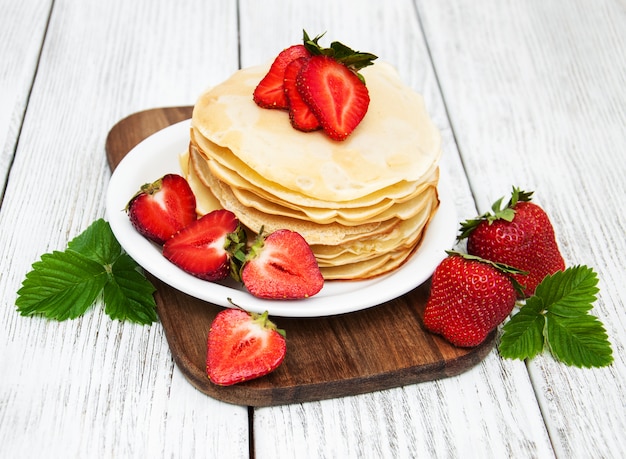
[[354, 60], [498, 212], [241, 252], [257, 246], [147, 188], [235, 245], [263, 320]]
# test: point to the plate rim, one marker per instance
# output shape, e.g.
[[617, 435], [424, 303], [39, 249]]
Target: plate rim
[[440, 235]]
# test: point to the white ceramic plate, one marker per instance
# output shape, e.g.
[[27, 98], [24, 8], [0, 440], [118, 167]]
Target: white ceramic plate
[[158, 155]]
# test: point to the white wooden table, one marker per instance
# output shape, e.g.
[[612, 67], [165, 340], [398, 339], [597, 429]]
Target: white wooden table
[[529, 93]]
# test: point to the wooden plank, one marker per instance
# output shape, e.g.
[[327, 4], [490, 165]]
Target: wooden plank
[[489, 411], [535, 93], [22, 29], [92, 386]]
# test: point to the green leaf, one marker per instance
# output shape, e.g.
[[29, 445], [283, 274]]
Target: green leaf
[[580, 341], [129, 295], [98, 243], [62, 285], [560, 310], [569, 293], [523, 335]]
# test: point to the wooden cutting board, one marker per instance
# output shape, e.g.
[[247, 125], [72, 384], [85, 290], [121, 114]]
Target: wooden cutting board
[[378, 348]]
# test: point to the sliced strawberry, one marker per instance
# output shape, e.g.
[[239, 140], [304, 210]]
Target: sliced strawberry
[[203, 249], [162, 208], [335, 94], [243, 346], [301, 116], [281, 266], [269, 92]]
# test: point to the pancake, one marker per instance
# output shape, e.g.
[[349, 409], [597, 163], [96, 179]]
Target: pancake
[[251, 196], [332, 233], [362, 204], [406, 233], [234, 171], [395, 142], [366, 246]]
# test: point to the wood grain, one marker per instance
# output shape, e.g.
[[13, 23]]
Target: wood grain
[[528, 93], [379, 348], [21, 31], [549, 117]]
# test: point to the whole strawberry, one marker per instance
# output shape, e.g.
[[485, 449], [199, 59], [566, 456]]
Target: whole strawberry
[[468, 299], [242, 346], [519, 235]]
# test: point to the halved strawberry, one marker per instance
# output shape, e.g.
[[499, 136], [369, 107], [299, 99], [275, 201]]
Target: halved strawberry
[[162, 208], [243, 346], [203, 249], [269, 92], [281, 266], [300, 115], [335, 94]]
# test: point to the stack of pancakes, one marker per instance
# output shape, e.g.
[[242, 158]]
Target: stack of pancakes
[[362, 204]]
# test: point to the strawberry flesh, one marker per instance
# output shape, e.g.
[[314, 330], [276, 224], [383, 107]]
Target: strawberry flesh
[[300, 115], [468, 299], [242, 346], [162, 208], [334, 93], [270, 93], [201, 248], [282, 266]]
